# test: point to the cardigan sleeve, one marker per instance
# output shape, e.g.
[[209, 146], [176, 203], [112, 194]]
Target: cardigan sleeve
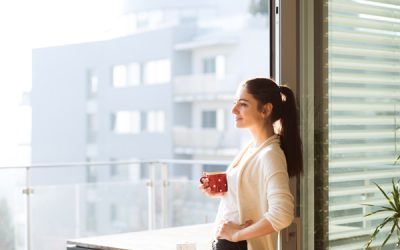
[[280, 211]]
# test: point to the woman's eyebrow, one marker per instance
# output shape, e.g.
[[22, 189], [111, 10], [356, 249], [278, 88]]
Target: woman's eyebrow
[[243, 100]]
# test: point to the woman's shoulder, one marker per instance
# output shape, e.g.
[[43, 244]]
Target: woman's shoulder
[[271, 151], [272, 157]]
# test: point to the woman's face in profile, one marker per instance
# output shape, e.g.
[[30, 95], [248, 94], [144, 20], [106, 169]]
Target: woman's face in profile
[[245, 110]]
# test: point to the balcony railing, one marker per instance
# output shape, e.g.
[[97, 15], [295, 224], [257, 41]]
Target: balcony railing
[[204, 86], [41, 206]]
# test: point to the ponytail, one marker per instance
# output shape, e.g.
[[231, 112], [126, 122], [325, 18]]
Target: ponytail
[[290, 134], [265, 90]]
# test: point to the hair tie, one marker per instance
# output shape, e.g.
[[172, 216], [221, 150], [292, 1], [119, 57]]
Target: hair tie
[[282, 94]]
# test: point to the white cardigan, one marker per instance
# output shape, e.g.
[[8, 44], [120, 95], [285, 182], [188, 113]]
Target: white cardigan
[[263, 191]]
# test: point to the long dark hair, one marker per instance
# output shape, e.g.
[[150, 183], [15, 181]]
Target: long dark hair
[[265, 90]]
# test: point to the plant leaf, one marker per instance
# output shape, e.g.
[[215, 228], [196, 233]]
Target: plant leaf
[[387, 197], [397, 160], [377, 211], [396, 195], [377, 229], [390, 234], [383, 207]]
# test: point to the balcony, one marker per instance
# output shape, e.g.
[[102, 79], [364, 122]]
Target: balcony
[[204, 87], [101, 198], [206, 141]]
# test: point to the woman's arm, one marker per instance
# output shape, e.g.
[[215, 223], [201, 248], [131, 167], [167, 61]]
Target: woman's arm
[[234, 232], [279, 215]]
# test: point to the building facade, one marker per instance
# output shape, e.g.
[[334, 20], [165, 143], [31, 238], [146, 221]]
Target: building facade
[[163, 90]]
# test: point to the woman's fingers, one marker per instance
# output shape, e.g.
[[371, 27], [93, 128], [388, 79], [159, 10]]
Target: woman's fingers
[[247, 223]]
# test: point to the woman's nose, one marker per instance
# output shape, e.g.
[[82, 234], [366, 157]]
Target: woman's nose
[[234, 109]]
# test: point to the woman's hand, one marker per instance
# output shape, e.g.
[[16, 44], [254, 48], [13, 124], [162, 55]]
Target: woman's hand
[[206, 189], [230, 231]]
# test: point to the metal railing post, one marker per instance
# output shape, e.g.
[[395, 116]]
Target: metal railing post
[[164, 194], [151, 196], [28, 191], [77, 210]]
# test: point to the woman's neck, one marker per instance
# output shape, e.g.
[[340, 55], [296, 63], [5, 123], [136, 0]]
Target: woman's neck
[[261, 134]]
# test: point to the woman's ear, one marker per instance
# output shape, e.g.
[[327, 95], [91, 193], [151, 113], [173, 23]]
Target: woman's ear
[[267, 110]]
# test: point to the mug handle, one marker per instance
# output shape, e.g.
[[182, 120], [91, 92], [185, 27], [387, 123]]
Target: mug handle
[[202, 179]]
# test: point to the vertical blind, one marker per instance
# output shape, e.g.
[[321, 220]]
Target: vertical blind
[[364, 115]]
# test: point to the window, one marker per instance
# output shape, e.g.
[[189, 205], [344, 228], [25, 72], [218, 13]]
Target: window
[[92, 84], [364, 112], [125, 122], [113, 168], [91, 223], [155, 122], [209, 65], [134, 76], [119, 74], [113, 212], [90, 171], [156, 72], [136, 99], [214, 65], [209, 119], [126, 75], [91, 128], [220, 67]]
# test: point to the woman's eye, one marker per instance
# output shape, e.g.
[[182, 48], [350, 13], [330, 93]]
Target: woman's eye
[[243, 104]]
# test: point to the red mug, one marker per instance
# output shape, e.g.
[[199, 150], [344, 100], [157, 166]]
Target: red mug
[[216, 181]]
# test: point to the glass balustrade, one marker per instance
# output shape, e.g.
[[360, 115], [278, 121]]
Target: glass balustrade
[[40, 210]]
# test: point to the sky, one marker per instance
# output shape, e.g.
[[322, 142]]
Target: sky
[[28, 24]]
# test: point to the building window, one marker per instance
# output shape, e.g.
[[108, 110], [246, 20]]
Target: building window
[[220, 67], [90, 171], [155, 121], [214, 65], [113, 212], [220, 119], [119, 76], [209, 119], [209, 65], [125, 122], [91, 224], [362, 92], [92, 84], [134, 76], [157, 72], [91, 128], [126, 75], [113, 168]]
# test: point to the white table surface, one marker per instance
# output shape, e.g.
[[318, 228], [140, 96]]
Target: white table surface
[[161, 239]]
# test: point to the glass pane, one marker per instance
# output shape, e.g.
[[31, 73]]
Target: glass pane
[[364, 117], [120, 75], [130, 84], [78, 209], [188, 206], [134, 74], [13, 213]]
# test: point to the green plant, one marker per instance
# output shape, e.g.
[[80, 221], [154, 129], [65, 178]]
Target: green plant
[[393, 200]]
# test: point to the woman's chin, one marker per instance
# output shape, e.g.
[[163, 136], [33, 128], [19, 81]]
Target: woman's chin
[[238, 125]]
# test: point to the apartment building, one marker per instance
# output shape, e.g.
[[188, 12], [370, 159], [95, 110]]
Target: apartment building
[[164, 91]]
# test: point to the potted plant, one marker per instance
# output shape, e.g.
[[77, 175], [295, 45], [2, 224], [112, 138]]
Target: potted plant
[[393, 206]]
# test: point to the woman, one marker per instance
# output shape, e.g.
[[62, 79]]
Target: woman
[[258, 203]]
